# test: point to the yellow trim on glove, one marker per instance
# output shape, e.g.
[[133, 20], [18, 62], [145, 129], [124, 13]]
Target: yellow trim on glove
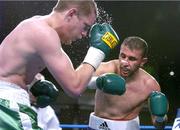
[[110, 40]]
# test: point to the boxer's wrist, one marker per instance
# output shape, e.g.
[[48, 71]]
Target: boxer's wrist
[[94, 57], [160, 122], [92, 83], [160, 119]]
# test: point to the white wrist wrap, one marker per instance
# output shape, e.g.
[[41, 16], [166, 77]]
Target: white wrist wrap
[[92, 83], [94, 57]]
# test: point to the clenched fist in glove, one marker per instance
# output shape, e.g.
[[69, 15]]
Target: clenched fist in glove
[[45, 92], [103, 39]]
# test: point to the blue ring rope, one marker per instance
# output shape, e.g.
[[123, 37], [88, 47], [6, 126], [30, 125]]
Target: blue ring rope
[[85, 126]]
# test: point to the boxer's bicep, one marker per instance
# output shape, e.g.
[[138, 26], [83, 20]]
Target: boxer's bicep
[[50, 51]]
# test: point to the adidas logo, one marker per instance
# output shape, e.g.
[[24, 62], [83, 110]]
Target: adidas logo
[[104, 126]]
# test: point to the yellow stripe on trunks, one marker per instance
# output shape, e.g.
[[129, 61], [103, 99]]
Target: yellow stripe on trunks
[[109, 39]]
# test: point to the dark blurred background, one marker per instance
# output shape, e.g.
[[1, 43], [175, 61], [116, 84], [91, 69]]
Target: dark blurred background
[[155, 21]]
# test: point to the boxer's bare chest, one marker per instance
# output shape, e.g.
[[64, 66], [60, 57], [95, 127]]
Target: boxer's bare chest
[[128, 103]]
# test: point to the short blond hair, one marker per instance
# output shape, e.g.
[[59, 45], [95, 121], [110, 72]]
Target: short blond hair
[[85, 7]]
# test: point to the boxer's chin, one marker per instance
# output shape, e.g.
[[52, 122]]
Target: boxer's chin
[[67, 42], [124, 74]]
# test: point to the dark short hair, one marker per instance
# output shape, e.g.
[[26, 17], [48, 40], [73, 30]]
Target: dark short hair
[[135, 42]]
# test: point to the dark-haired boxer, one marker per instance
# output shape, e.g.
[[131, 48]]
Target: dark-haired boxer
[[119, 111]]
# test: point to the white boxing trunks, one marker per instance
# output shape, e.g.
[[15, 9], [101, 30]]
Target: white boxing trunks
[[47, 118], [97, 123], [16, 113]]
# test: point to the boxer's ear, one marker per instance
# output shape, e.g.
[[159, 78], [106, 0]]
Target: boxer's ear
[[144, 61], [71, 13]]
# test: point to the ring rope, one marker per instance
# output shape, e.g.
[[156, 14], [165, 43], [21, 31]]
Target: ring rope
[[142, 127]]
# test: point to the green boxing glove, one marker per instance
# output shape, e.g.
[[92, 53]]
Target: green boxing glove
[[103, 39], [111, 83], [158, 105], [45, 92]]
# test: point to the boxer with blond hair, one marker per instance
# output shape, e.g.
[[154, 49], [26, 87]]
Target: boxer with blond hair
[[36, 43]]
